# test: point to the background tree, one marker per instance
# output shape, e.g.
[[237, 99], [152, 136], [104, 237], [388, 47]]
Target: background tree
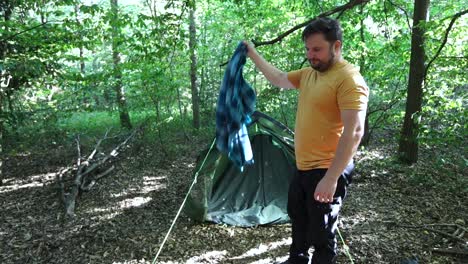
[[408, 148], [70, 61], [193, 67], [117, 71]]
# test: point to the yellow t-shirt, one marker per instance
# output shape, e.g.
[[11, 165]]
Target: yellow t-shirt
[[318, 121]]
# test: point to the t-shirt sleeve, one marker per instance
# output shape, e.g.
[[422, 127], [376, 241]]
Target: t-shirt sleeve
[[353, 93], [295, 77]]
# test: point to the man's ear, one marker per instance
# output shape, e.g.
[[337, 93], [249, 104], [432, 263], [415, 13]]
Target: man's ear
[[337, 45]]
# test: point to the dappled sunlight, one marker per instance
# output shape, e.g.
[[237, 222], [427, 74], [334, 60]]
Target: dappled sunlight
[[136, 196], [361, 219], [34, 181], [134, 202], [190, 165], [371, 154], [269, 260], [111, 212], [104, 213], [254, 253], [208, 256], [120, 206], [150, 183], [222, 256], [263, 248]]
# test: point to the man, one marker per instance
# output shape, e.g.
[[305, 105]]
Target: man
[[329, 125]]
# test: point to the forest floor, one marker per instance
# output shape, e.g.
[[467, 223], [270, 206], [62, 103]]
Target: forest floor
[[394, 213]]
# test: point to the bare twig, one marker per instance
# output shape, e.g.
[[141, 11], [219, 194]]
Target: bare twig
[[61, 184], [384, 108], [452, 237], [88, 186], [447, 31], [24, 31], [429, 227], [344, 7], [78, 146], [404, 11], [88, 172], [341, 9], [98, 144], [451, 251]]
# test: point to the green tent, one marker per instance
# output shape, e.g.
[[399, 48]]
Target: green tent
[[257, 195]]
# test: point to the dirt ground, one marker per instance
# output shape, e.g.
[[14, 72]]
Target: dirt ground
[[388, 216]]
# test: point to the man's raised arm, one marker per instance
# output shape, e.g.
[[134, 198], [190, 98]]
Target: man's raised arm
[[273, 74]]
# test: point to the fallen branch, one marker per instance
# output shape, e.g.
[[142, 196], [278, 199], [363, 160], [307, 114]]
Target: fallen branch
[[429, 225], [452, 237], [88, 171], [341, 9], [451, 251], [456, 236]]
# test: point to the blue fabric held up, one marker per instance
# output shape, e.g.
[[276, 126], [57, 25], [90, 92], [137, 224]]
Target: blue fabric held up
[[236, 103]]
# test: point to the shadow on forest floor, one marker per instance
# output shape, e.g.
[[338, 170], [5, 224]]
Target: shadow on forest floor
[[393, 212]]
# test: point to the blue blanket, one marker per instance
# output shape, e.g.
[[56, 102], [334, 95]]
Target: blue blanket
[[236, 103]]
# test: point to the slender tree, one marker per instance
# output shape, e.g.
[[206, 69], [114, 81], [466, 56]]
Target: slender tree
[[78, 22], [193, 68], [4, 79], [118, 87], [362, 63], [408, 147]]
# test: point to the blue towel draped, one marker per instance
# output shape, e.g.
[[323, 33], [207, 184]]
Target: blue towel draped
[[236, 103]]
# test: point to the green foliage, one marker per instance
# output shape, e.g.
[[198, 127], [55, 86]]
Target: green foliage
[[449, 168], [51, 91]]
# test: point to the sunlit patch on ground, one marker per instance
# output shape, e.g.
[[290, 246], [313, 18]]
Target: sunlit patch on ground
[[270, 260], [142, 190], [253, 254], [263, 248], [125, 217], [150, 183], [134, 202], [34, 181], [142, 261], [210, 257], [104, 213]]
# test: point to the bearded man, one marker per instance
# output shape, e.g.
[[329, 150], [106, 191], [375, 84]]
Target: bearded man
[[329, 125]]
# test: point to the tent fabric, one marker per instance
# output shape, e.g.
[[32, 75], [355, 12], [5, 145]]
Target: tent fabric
[[236, 103], [255, 196]]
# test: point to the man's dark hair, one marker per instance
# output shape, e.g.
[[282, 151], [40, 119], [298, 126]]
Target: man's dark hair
[[330, 28]]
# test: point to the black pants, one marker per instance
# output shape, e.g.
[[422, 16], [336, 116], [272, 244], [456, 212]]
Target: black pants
[[313, 223]]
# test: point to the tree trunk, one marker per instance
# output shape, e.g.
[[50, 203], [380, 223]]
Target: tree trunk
[[193, 69], [118, 87], [7, 11], [362, 63], [1, 135], [408, 147], [78, 21], [82, 61]]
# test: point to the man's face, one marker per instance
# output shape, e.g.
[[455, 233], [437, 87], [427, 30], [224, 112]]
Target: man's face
[[320, 53]]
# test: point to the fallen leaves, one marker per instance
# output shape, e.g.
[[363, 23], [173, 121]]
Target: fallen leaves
[[152, 188]]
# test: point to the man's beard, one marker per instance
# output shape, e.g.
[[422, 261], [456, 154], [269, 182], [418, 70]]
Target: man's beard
[[324, 66]]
